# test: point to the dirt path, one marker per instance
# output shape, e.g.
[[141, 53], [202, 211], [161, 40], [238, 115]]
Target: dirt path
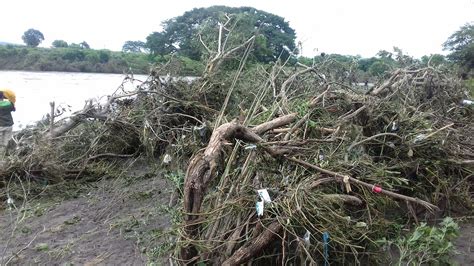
[[113, 222], [465, 244]]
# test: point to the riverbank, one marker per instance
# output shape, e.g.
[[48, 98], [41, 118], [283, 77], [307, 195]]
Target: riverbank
[[88, 61]]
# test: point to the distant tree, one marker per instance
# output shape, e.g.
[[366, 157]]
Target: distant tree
[[385, 60], [84, 45], [59, 44], [383, 54], [402, 59], [434, 59], [133, 47], [104, 56], [461, 45], [379, 68], [73, 55], [159, 44], [365, 63], [183, 33], [32, 37]]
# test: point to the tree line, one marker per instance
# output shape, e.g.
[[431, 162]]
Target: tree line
[[192, 37], [193, 34], [72, 59]]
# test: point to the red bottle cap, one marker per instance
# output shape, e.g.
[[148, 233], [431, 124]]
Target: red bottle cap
[[376, 189]]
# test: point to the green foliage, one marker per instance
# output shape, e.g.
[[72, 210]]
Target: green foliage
[[32, 37], [434, 60], [73, 55], [359, 69], [133, 47], [59, 44], [461, 45], [84, 45], [71, 59], [93, 57], [384, 54], [104, 56], [305, 61], [379, 68], [180, 34], [176, 178], [427, 244], [76, 59], [75, 45], [158, 44], [366, 63], [190, 67], [42, 247], [470, 87], [403, 60]]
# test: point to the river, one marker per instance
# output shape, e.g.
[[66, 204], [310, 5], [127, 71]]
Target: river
[[35, 90]]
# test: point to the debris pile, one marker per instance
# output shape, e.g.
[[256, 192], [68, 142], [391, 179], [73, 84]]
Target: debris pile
[[294, 165]]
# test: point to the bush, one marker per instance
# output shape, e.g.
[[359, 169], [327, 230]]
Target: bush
[[74, 55], [427, 244], [104, 56]]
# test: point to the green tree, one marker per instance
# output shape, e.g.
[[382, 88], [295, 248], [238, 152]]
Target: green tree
[[59, 44], [32, 37], [93, 56], [158, 44], [461, 45], [402, 60], [133, 47], [385, 55], [183, 33], [379, 68], [74, 54], [365, 63], [104, 56], [84, 45], [434, 59]]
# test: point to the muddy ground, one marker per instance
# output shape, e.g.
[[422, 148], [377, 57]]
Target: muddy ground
[[465, 244], [112, 222], [118, 221]]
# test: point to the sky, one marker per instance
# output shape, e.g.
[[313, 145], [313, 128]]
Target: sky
[[349, 27]]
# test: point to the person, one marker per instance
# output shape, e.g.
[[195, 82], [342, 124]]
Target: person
[[6, 120]]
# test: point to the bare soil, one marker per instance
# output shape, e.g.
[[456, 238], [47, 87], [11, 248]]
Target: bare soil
[[111, 222], [465, 244]]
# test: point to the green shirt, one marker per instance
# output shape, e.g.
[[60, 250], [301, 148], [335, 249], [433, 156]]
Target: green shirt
[[6, 109]]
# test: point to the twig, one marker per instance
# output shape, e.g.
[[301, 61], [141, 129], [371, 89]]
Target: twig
[[340, 177], [51, 119], [25, 247], [371, 138]]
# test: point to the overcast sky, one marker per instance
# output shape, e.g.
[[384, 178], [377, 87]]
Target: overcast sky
[[351, 27]]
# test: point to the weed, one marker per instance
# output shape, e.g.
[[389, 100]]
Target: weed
[[74, 220], [42, 247], [426, 244], [177, 179]]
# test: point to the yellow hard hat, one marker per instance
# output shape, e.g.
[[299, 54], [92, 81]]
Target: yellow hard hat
[[9, 94]]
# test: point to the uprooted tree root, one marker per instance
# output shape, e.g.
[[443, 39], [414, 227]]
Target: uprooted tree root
[[336, 160]]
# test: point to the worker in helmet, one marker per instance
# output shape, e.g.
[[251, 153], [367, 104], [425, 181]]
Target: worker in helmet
[[6, 120]]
